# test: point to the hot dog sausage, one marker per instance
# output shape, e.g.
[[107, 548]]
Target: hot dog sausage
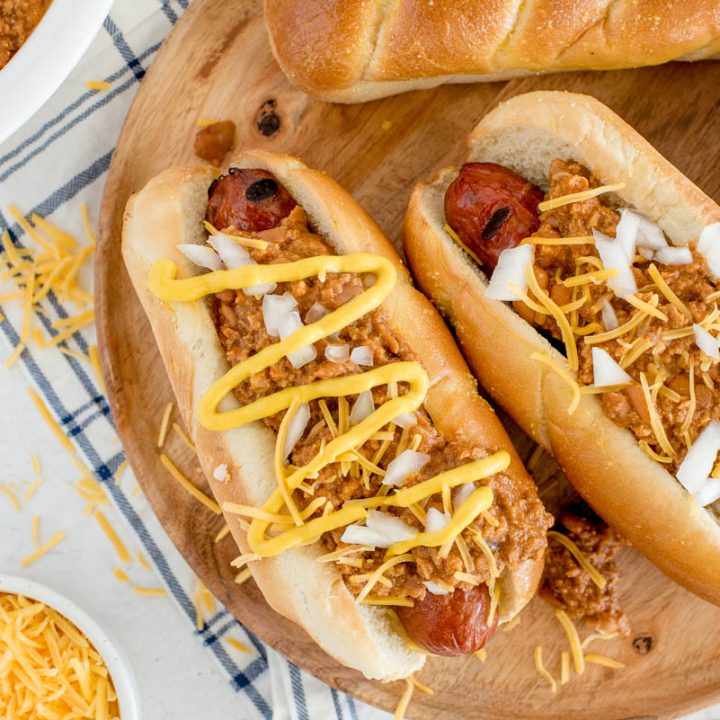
[[455, 624], [491, 208], [247, 199], [452, 624]]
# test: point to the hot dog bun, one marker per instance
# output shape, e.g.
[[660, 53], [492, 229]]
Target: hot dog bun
[[170, 210], [629, 490], [358, 51]]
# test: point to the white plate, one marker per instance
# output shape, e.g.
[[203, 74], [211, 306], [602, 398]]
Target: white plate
[[115, 659], [47, 58]]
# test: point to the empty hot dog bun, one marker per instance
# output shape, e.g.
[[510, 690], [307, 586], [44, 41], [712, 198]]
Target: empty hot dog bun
[[358, 51], [170, 210], [604, 461]]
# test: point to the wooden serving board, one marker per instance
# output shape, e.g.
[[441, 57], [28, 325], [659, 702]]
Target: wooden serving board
[[217, 64]]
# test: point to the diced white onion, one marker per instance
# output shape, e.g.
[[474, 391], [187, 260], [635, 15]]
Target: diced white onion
[[709, 492], [405, 420], [706, 342], [289, 324], [698, 463], [220, 472], [392, 528], [316, 312], [436, 520], [296, 428], [201, 255], [434, 588], [362, 355], [230, 251], [626, 232], [405, 464], [337, 353], [302, 357], [609, 317], [275, 308], [511, 268], [382, 530], [647, 253], [361, 535], [364, 406], [462, 493], [709, 247], [235, 255], [613, 257], [606, 372], [649, 233], [674, 256]]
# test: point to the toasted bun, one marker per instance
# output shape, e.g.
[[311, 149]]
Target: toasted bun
[[630, 491], [354, 51], [170, 210]]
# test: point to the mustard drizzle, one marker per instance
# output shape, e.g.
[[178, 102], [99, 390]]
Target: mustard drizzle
[[164, 284]]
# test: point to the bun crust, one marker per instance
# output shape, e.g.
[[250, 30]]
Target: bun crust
[[636, 495], [358, 50], [169, 210]]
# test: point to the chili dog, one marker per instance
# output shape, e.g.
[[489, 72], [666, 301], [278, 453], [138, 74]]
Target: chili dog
[[579, 270], [374, 495]]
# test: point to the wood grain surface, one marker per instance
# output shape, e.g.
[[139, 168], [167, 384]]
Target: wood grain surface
[[217, 64]]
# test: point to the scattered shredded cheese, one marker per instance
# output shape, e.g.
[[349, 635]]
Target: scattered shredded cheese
[[162, 435], [542, 670], [402, 707], [237, 645], [185, 483], [98, 85], [42, 549], [574, 639], [50, 421], [149, 592], [604, 661], [114, 538]]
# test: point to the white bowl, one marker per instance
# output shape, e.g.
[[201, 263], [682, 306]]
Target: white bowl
[[47, 58], [117, 663]]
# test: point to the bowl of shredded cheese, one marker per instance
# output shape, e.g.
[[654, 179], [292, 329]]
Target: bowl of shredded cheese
[[56, 661]]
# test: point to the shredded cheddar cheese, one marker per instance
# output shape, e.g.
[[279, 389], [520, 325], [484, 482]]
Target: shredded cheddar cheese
[[43, 549], [552, 308], [185, 483], [574, 639], [576, 240], [557, 202], [402, 707], [647, 307], [582, 560], [164, 425], [665, 289], [604, 661], [114, 538], [564, 667], [456, 239], [48, 669], [542, 670], [564, 374], [97, 85], [655, 422]]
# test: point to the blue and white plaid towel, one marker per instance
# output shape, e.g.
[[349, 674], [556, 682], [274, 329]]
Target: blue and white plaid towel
[[53, 165]]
